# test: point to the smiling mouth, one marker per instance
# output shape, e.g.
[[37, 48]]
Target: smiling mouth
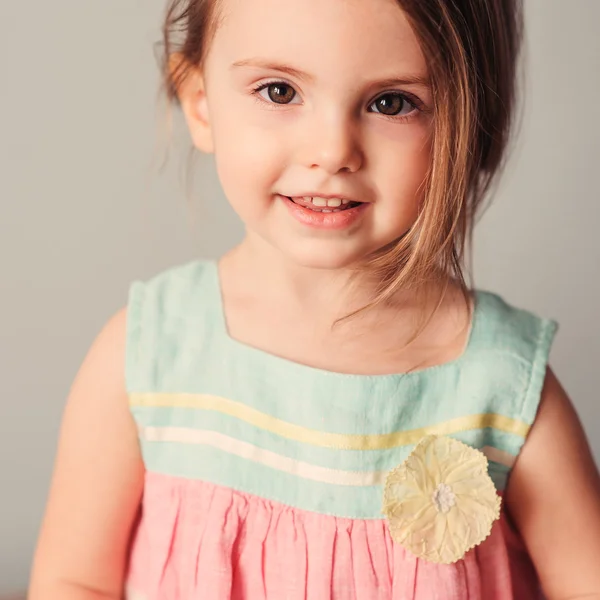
[[324, 205]]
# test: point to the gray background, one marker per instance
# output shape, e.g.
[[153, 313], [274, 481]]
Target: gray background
[[85, 209]]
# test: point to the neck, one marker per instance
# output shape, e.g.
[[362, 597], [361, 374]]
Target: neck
[[325, 294]]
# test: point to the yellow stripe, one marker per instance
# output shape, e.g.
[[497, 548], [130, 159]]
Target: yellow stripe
[[324, 439]]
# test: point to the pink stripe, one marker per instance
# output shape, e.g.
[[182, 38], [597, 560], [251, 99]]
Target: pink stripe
[[261, 455]]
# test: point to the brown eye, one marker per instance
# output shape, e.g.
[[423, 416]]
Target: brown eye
[[392, 105], [281, 93]]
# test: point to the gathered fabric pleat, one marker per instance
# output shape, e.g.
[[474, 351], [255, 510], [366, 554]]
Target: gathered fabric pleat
[[199, 541]]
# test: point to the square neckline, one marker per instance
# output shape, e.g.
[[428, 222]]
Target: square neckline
[[283, 362]]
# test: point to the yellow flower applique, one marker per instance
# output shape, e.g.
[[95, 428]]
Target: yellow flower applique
[[440, 502]]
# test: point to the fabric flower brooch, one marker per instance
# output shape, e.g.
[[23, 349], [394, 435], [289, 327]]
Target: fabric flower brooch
[[440, 502]]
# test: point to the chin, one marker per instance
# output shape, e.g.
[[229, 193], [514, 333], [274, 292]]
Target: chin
[[327, 264], [319, 255]]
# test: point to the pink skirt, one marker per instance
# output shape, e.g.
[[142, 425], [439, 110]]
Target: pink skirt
[[195, 540]]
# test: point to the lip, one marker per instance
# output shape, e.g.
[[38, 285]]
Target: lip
[[320, 195], [328, 221]]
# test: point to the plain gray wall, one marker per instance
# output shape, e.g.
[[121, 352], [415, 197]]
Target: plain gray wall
[[84, 211]]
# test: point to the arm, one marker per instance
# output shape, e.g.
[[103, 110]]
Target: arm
[[97, 483], [553, 496]]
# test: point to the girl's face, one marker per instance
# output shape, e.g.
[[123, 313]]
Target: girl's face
[[317, 98]]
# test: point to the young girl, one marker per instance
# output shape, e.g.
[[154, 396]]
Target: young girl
[[329, 411]]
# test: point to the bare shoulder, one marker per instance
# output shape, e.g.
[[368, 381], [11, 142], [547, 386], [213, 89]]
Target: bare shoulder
[[98, 477], [553, 496], [107, 354]]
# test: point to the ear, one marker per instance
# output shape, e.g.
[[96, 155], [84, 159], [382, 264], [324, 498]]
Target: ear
[[191, 92]]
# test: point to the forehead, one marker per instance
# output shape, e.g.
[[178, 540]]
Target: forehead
[[327, 37]]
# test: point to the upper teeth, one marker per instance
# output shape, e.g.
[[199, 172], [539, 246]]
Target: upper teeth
[[333, 202]]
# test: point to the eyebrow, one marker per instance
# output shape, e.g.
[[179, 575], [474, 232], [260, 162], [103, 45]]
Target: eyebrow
[[303, 76]]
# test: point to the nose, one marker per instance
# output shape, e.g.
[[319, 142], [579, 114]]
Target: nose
[[333, 145]]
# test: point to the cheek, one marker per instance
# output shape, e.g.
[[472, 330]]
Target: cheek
[[402, 169], [245, 153]]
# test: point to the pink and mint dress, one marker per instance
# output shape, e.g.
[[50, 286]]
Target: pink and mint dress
[[264, 477]]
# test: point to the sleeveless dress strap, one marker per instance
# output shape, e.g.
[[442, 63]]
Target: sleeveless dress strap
[[516, 345], [167, 318]]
